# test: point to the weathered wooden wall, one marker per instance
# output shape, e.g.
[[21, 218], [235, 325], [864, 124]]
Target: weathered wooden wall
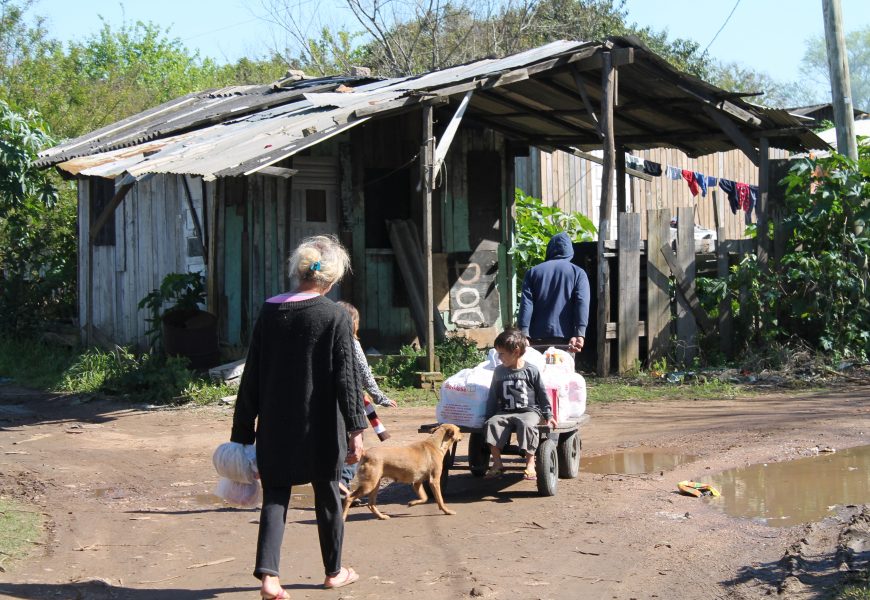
[[574, 184], [152, 228]]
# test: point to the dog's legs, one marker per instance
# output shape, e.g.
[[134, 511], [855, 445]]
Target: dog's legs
[[361, 490], [421, 494], [373, 501], [435, 484]]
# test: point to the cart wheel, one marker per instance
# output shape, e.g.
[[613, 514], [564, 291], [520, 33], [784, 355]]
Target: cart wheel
[[547, 466], [478, 454], [569, 455]]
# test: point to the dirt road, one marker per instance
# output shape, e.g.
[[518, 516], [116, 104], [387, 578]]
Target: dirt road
[[126, 493]]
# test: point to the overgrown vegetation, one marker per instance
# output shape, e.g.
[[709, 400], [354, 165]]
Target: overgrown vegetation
[[536, 223], [818, 291], [20, 528], [37, 243], [454, 354], [150, 378]]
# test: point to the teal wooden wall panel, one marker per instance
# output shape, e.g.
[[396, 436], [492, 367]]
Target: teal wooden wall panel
[[233, 226]]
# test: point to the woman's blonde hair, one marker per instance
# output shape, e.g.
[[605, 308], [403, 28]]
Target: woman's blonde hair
[[321, 259]]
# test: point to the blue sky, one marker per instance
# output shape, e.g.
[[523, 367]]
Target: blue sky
[[768, 35]]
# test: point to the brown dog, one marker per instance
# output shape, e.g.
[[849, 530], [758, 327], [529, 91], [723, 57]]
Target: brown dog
[[415, 464]]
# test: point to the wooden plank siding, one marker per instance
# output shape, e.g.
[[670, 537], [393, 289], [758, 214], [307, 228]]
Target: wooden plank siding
[[150, 242], [569, 182]]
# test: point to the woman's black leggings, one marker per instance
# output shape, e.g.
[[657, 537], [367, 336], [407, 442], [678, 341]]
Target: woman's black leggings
[[273, 517]]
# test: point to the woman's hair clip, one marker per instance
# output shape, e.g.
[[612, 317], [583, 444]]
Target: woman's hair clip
[[315, 266]]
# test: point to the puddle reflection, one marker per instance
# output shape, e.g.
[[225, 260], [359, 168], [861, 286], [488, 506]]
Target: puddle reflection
[[634, 462], [797, 491]]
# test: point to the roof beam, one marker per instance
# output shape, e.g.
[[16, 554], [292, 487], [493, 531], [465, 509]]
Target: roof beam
[[733, 133], [449, 133], [584, 95], [523, 106]]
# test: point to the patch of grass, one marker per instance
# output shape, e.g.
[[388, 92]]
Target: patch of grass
[[34, 364], [409, 396], [619, 390], [19, 528], [202, 392], [856, 591]]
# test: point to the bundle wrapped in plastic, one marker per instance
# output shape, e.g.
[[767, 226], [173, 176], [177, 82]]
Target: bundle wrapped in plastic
[[236, 462], [237, 465], [243, 495]]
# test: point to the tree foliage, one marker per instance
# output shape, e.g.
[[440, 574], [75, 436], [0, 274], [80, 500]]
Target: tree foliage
[[819, 290], [37, 234], [536, 223], [408, 37], [815, 65]]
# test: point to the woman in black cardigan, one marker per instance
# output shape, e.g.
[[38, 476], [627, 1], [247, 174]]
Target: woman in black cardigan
[[301, 388]]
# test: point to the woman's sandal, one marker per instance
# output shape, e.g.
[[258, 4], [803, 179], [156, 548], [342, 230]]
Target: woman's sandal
[[530, 475], [494, 473], [349, 577]]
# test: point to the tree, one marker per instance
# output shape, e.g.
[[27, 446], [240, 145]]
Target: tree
[[37, 242], [407, 37], [815, 65], [736, 77]]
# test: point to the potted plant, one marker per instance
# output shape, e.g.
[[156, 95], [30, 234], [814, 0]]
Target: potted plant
[[183, 329]]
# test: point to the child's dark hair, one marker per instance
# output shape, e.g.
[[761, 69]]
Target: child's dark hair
[[511, 339]]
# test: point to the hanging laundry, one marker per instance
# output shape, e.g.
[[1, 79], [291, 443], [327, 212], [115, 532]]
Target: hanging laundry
[[743, 196], [712, 181], [633, 162], [652, 168], [674, 173], [729, 187], [690, 179], [701, 180], [753, 196]]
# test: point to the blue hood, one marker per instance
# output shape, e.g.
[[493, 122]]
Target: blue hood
[[560, 246]]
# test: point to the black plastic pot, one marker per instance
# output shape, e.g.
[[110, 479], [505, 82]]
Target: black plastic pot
[[192, 334]]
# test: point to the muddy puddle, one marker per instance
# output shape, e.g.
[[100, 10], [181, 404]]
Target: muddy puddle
[[797, 491], [635, 461]]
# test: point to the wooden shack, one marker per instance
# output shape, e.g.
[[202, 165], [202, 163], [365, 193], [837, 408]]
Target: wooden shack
[[415, 175]]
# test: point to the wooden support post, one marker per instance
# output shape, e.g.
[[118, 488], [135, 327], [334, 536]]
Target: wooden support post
[[841, 85], [427, 173], [687, 328], [761, 209], [619, 160], [726, 322], [628, 226], [658, 295], [603, 291]]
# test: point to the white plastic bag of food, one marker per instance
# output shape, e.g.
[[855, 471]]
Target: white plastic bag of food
[[463, 398], [237, 462], [243, 495]]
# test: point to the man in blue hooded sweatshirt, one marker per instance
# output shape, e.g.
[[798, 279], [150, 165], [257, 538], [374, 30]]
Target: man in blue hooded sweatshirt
[[554, 307]]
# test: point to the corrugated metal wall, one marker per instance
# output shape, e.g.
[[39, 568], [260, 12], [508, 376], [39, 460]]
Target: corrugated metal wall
[[574, 184]]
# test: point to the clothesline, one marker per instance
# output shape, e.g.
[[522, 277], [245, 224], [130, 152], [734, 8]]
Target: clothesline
[[740, 195]]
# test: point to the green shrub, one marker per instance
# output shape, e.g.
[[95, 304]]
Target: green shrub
[[536, 223], [457, 353], [454, 354], [818, 291]]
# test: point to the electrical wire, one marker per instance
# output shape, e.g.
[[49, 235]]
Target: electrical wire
[[728, 18]]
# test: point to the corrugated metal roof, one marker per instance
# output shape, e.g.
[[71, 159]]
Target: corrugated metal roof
[[531, 96]]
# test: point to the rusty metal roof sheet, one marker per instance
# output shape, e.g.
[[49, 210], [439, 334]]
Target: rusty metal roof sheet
[[532, 96]]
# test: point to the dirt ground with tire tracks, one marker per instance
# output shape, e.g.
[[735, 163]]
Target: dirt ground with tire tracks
[[126, 493]]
